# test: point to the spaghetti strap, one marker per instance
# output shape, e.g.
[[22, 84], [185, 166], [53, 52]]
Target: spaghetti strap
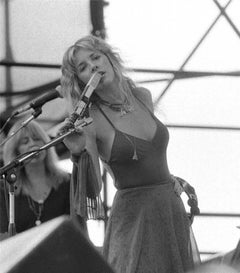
[[145, 106], [107, 118], [133, 142]]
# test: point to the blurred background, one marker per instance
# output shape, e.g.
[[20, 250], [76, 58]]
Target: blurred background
[[187, 53]]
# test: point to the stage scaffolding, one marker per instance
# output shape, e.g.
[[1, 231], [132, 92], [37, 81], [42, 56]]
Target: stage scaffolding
[[168, 77]]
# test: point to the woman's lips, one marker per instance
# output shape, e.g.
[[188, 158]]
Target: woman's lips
[[32, 149], [102, 78]]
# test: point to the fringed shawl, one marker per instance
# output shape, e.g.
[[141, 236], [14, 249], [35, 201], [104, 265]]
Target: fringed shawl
[[85, 199]]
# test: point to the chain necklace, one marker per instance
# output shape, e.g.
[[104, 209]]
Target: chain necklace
[[37, 210], [124, 108]]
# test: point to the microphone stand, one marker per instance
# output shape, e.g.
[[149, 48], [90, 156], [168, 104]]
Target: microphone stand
[[78, 113], [9, 172], [11, 177]]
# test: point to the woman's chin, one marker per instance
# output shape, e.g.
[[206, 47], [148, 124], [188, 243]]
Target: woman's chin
[[37, 159]]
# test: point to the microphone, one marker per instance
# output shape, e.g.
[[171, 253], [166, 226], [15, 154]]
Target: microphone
[[84, 101], [39, 102]]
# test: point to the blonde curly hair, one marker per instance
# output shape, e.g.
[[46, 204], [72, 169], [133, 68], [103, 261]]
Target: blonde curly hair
[[72, 86], [10, 152]]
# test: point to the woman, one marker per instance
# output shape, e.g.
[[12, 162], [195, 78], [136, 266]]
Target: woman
[[148, 228], [42, 189]]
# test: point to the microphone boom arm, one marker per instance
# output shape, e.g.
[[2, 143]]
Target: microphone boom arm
[[19, 162]]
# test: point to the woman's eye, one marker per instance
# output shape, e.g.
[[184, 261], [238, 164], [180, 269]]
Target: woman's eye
[[82, 68], [95, 57]]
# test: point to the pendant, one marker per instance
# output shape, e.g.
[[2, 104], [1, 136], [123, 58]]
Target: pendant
[[38, 222], [123, 112], [135, 157]]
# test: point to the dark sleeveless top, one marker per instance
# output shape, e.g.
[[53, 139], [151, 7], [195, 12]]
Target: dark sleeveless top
[[151, 166]]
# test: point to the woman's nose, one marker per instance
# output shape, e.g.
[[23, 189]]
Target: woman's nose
[[31, 142], [94, 68]]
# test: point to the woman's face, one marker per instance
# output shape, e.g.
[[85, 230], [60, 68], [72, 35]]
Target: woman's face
[[87, 62], [30, 143]]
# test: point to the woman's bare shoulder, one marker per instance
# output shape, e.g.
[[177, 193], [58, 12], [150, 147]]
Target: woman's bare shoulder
[[144, 95]]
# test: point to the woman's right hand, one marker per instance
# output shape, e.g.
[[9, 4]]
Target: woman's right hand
[[76, 141]]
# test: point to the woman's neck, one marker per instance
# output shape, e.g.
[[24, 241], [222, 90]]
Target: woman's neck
[[112, 93], [36, 172], [39, 187]]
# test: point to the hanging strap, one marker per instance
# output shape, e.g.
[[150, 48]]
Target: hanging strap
[[84, 189]]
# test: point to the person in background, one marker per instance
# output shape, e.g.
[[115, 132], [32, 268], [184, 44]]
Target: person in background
[[42, 189], [148, 227]]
